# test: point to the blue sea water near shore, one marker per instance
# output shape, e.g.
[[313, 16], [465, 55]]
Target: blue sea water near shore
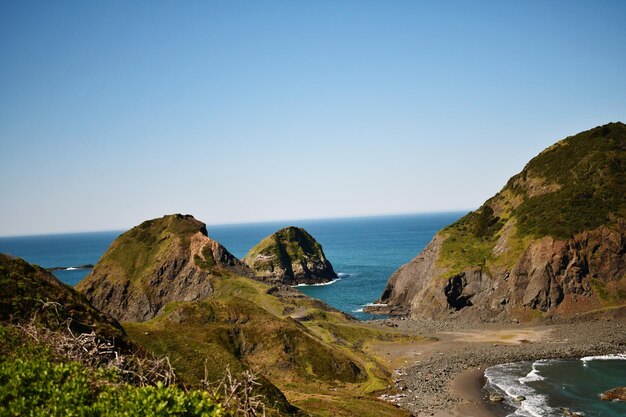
[[364, 251], [552, 385]]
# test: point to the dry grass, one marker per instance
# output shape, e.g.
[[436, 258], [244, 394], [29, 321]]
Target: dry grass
[[138, 368], [236, 394]]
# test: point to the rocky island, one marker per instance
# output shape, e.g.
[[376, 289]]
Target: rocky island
[[290, 256]]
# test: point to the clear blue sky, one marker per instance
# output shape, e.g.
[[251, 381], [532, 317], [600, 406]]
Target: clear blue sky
[[112, 112]]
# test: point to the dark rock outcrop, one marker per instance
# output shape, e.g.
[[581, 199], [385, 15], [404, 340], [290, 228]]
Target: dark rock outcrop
[[160, 261], [553, 241], [614, 394], [290, 256]]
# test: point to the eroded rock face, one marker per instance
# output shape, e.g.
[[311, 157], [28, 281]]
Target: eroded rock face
[[552, 276], [160, 261], [290, 256], [408, 282]]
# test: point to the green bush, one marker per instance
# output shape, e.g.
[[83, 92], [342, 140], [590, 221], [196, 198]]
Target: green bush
[[590, 169], [38, 387], [154, 401]]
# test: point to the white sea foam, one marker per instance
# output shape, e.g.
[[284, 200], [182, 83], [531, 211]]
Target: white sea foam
[[617, 356], [535, 406], [506, 380], [360, 310], [342, 274], [533, 375], [318, 284]]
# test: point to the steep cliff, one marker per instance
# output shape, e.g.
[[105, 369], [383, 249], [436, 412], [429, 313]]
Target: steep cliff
[[159, 261], [552, 241], [290, 256]]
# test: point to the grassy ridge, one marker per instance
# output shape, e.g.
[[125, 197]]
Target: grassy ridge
[[24, 288], [133, 254], [575, 185], [319, 362]]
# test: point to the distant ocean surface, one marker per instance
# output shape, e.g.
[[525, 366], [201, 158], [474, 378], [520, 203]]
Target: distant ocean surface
[[364, 251], [554, 384]]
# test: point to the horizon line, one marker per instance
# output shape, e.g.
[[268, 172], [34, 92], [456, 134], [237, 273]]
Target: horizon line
[[243, 223]]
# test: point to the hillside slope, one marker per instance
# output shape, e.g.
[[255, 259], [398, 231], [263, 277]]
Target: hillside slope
[[552, 241], [60, 356], [30, 292], [183, 295]]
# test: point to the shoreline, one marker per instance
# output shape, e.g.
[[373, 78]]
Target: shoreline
[[468, 386], [444, 376]]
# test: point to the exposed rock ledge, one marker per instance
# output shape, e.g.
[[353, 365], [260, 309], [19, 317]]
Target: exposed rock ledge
[[551, 277]]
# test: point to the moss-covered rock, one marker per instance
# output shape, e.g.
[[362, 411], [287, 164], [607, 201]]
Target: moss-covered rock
[[159, 261], [553, 240], [290, 256]]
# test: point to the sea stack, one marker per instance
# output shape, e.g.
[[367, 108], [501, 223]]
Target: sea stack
[[290, 256], [551, 242], [155, 263]]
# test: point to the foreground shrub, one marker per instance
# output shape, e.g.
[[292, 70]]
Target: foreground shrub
[[37, 387]]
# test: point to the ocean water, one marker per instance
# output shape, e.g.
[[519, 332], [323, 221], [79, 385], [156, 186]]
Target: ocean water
[[61, 250], [554, 384], [363, 251]]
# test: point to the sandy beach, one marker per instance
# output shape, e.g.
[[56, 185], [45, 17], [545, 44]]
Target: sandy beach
[[443, 376]]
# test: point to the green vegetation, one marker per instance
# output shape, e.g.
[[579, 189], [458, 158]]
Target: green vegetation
[[242, 326], [591, 171], [293, 242], [564, 213], [135, 252], [485, 224], [233, 329], [49, 369], [600, 288], [25, 288], [469, 241], [34, 382], [575, 185], [206, 261], [37, 387]]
